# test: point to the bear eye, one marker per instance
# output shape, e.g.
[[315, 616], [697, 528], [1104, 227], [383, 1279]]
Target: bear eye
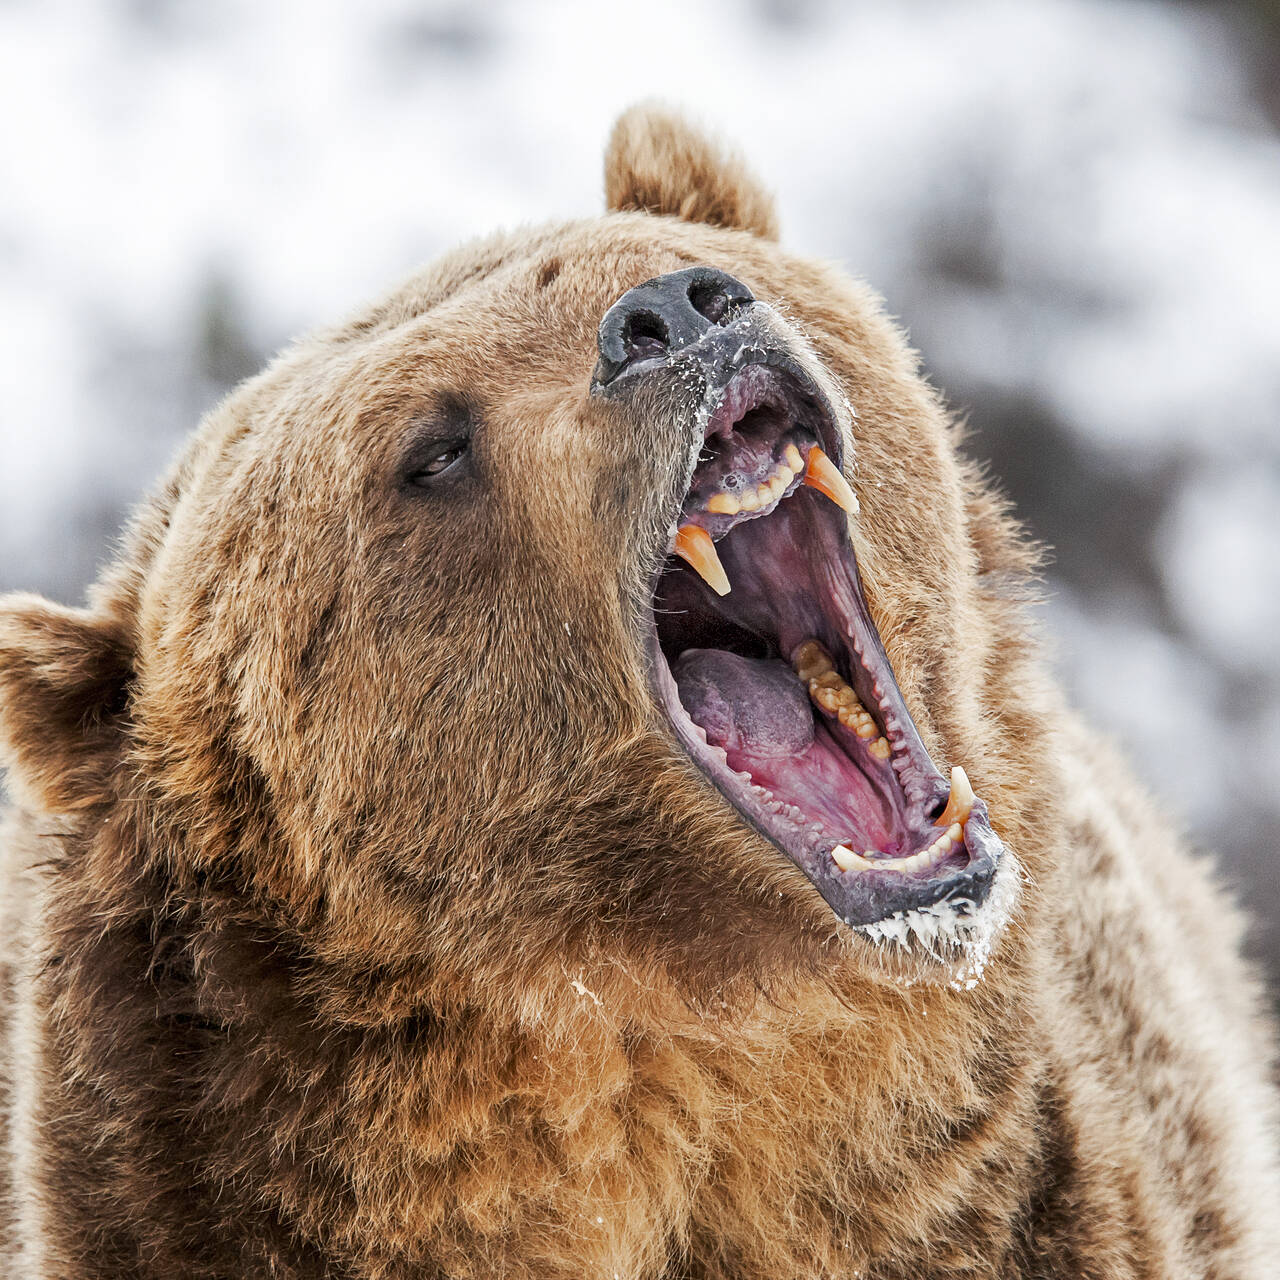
[[440, 459]]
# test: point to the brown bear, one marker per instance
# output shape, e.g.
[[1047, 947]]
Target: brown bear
[[559, 782]]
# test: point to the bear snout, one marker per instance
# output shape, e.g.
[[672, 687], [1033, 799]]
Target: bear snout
[[663, 316]]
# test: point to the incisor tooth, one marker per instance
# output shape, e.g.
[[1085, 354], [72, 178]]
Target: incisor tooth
[[823, 474], [723, 504], [694, 545], [959, 802]]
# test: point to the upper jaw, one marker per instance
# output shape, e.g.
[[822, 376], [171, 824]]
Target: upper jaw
[[744, 364]]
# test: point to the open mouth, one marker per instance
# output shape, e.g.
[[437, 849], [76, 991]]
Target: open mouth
[[765, 658]]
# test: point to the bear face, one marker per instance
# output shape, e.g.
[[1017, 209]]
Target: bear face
[[412, 644]]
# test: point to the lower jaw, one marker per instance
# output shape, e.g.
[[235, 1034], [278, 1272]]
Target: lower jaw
[[919, 884]]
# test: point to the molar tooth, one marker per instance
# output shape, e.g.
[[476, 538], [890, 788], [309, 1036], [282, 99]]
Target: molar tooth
[[764, 492], [724, 504], [880, 748], [778, 485], [694, 546], [827, 699], [959, 802], [867, 729], [811, 660], [823, 474], [750, 500]]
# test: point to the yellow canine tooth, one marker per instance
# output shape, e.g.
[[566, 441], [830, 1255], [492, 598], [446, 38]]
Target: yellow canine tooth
[[959, 802], [694, 546], [823, 474], [724, 504]]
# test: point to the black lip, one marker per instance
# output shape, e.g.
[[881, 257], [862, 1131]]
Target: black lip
[[857, 898]]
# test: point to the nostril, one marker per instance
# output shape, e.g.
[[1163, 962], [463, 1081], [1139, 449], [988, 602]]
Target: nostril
[[708, 301], [644, 336]]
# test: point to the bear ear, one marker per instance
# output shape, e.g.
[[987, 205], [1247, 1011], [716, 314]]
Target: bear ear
[[64, 686], [657, 163]]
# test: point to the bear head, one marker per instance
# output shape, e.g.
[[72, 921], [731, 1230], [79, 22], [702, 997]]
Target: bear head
[[608, 600]]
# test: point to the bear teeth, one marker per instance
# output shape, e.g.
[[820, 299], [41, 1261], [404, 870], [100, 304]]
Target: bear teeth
[[819, 473], [695, 547], [830, 691], [823, 474], [925, 860], [959, 802], [765, 494], [836, 697]]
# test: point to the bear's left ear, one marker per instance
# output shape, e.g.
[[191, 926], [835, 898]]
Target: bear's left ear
[[657, 163], [64, 688]]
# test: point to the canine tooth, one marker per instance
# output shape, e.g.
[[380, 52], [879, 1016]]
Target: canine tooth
[[694, 546], [847, 860], [823, 474], [724, 504], [880, 748], [794, 459], [959, 802]]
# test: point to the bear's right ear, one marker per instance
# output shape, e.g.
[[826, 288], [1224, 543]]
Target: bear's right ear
[[64, 688], [656, 162]]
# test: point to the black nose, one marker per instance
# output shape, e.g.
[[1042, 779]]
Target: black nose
[[657, 318]]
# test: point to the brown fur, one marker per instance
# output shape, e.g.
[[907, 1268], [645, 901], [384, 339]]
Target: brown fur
[[363, 919]]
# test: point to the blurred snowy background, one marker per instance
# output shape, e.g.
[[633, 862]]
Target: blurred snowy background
[[1074, 205]]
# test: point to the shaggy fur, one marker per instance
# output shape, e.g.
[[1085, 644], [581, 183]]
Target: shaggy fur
[[363, 919]]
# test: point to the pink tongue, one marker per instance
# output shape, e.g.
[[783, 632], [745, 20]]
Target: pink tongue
[[759, 712], [749, 706]]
